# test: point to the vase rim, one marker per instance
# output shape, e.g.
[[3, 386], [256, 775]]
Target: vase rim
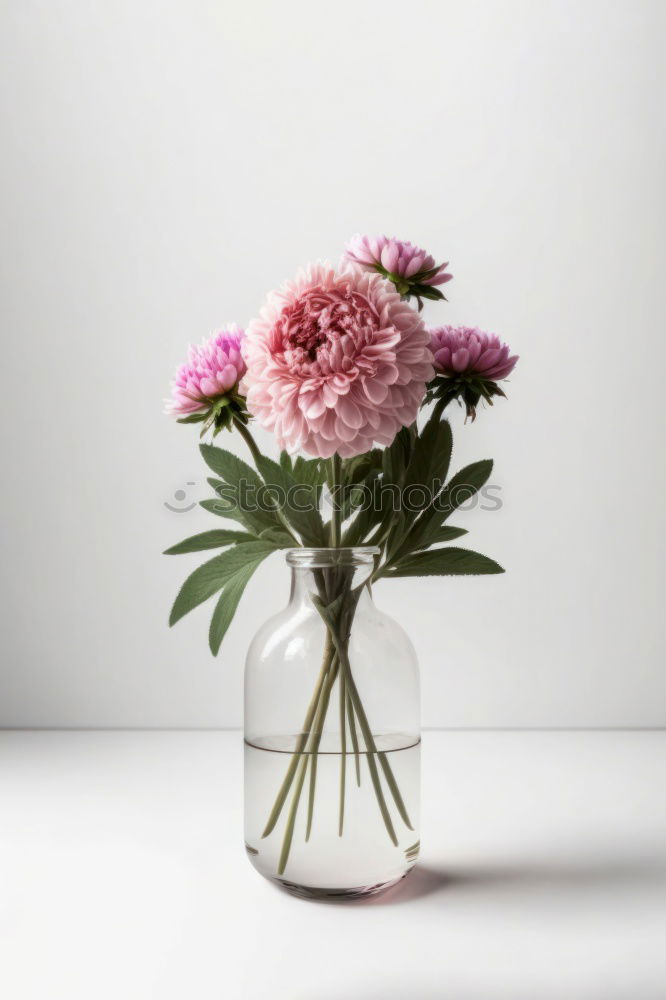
[[318, 558]]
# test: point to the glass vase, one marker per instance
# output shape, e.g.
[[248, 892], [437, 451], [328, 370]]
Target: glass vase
[[332, 735]]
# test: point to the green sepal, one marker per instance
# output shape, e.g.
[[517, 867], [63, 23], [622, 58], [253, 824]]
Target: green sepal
[[192, 418]]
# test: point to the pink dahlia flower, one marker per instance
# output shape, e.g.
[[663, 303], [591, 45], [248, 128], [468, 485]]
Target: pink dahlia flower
[[467, 350], [213, 369], [335, 362], [468, 364], [412, 270]]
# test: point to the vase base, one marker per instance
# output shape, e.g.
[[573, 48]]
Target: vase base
[[338, 895]]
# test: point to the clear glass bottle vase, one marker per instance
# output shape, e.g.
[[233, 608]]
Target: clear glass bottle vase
[[332, 735]]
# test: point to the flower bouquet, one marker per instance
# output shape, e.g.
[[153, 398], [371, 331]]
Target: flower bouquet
[[341, 368]]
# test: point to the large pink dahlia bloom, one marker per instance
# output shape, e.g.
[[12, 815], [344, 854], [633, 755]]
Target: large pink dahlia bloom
[[213, 369], [335, 362]]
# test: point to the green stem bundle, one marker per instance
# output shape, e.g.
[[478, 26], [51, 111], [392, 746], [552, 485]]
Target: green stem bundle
[[334, 591]]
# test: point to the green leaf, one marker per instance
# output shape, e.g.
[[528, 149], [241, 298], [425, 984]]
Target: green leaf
[[208, 540], [464, 485], [235, 472], [460, 488], [225, 609], [280, 539], [311, 471], [356, 495], [330, 612], [425, 474], [401, 450], [429, 466], [229, 467], [285, 461], [445, 533], [255, 520], [223, 508], [450, 561], [359, 467], [212, 576], [308, 523], [367, 518]]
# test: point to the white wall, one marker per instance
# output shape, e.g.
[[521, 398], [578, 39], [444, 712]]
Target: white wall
[[166, 163]]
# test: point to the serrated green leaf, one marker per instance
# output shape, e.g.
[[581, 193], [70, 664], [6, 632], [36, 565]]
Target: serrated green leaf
[[356, 495], [208, 540], [367, 518], [308, 523], [387, 465], [278, 538], [212, 576], [228, 466], [401, 450], [457, 491], [429, 465], [225, 609], [358, 468], [422, 481], [236, 472], [450, 561], [443, 533], [311, 471], [464, 485], [223, 508]]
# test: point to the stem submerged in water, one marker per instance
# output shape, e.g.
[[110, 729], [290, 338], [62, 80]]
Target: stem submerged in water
[[343, 749], [302, 739], [336, 602]]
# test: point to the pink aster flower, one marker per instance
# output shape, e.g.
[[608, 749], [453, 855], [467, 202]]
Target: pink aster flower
[[412, 270], [212, 369], [469, 363], [205, 388], [335, 362], [468, 350]]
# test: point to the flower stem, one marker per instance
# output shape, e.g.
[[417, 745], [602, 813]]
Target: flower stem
[[247, 437], [256, 455], [315, 740], [336, 513], [354, 736], [371, 749], [343, 749], [291, 819], [302, 739]]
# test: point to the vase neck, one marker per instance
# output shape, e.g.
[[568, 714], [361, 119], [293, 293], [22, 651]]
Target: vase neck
[[327, 573]]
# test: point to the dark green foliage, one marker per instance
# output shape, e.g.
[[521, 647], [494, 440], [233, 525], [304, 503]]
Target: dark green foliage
[[214, 574], [449, 561], [208, 540], [302, 509], [225, 609], [396, 498]]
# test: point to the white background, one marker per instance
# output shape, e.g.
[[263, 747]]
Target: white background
[[165, 164]]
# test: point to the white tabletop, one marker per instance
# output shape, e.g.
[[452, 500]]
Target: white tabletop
[[123, 876]]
